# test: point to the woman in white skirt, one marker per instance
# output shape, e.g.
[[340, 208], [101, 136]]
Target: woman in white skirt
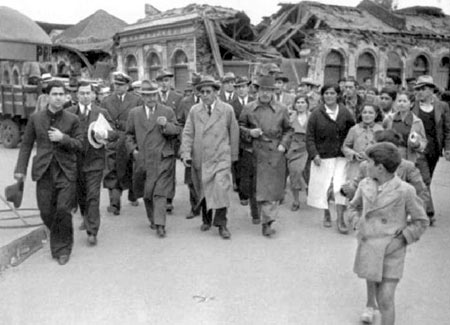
[[327, 129]]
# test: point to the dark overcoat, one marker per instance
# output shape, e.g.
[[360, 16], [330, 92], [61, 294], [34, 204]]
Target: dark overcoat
[[154, 166]]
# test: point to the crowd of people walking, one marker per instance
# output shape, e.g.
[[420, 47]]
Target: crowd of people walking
[[344, 143]]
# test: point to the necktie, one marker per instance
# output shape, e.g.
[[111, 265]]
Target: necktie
[[209, 110], [279, 97], [164, 97], [197, 99]]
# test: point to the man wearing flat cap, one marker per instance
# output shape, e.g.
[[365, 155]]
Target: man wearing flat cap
[[227, 93], [210, 144], [59, 137], [151, 129], [170, 98], [242, 168], [119, 164], [435, 116], [281, 95], [264, 124], [90, 160], [185, 106]]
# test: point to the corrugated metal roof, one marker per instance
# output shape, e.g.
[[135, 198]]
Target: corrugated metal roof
[[17, 27]]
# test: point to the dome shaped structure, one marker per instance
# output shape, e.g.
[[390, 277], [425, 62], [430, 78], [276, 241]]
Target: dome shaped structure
[[16, 27]]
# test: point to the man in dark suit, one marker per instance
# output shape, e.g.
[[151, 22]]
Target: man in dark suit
[[243, 168], [119, 164], [59, 138], [171, 98], [91, 160], [150, 132], [185, 106], [227, 93]]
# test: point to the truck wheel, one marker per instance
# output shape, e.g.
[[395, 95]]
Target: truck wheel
[[11, 134]]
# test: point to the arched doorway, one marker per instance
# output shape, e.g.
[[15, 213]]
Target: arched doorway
[[15, 77], [394, 65], [180, 69], [334, 67], [131, 67], [421, 66], [443, 71], [365, 67], [153, 65], [6, 77]]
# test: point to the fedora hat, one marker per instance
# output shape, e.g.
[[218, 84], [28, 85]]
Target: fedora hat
[[424, 81], [195, 79], [242, 81], [14, 193], [46, 77], [308, 82], [136, 84], [162, 74], [266, 82], [148, 87], [207, 81], [229, 76], [101, 124], [281, 77], [73, 84], [120, 78]]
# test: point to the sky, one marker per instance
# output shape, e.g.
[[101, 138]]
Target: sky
[[72, 11]]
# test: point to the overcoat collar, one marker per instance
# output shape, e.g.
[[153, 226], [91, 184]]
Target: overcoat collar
[[216, 114], [378, 200]]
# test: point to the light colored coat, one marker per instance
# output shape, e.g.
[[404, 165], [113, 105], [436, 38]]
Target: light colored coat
[[383, 217], [154, 166], [212, 143]]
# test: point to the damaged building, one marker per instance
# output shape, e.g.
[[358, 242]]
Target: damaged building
[[197, 38], [370, 40]]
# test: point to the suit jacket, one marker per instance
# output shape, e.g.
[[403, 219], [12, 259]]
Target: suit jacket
[[237, 106], [64, 152], [119, 110], [90, 158], [173, 100], [223, 97], [154, 166], [442, 119]]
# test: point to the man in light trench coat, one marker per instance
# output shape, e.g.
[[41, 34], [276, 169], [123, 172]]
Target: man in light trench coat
[[265, 124], [210, 143], [151, 130]]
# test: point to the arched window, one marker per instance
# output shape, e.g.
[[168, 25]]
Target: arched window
[[16, 77], [153, 65], [365, 67], [421, 66], [443, 71], [394, 65], [6, 78], [334, 67], [131, 67], [180, 69]]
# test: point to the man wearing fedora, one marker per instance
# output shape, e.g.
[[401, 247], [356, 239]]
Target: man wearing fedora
[[227, 93], [119, 164], [435, 116], [185, 106], [170, 98], [71, 89], [59, 137], [210, 144], [264, 124], [242, 168], [281, 95], [91, 160], [151, 129], [42, 101]]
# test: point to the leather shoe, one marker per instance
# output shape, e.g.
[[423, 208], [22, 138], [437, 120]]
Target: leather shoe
[[92, 240], [169, 207], [113, 210], [191, 215], [82, 226], [160, 231], [327, 220], [134, 203], [152, 225], [256, 221], [205, 227], [63, 259], [224, 232], [244, 202], [267, 230]]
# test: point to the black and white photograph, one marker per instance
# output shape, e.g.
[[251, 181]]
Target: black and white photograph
[[225, 163]]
